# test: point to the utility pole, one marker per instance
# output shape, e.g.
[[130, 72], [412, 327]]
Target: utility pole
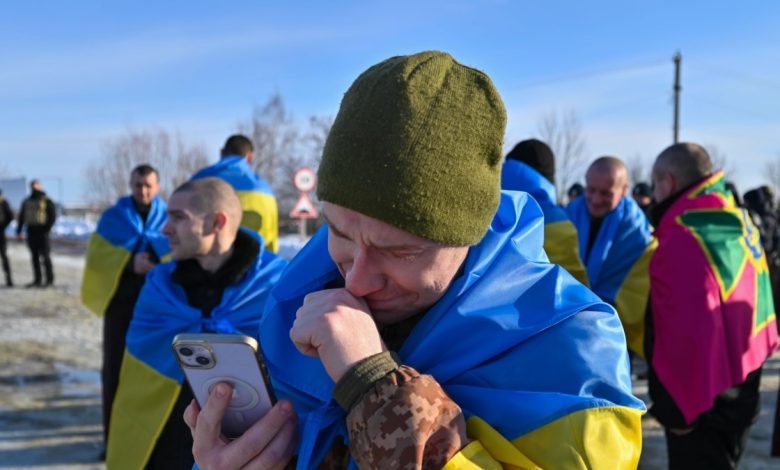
[[677, 88]]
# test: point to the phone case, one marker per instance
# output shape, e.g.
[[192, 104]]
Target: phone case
[[208, 359]]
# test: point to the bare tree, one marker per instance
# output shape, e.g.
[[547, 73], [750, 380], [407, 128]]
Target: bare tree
[[637, 171], [721, 161], [282, 147], [175, 160], [772, 173], [564, 136]]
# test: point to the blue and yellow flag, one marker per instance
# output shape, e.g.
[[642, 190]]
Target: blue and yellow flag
[[120, 232], [535, 360], [560, 236], [150, 379], [257, 199], [618, 262]]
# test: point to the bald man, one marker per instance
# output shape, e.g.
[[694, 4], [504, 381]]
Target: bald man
[[711, 323], [218, 282], [615, 243]]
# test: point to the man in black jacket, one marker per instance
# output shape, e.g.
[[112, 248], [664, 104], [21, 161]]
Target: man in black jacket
[[38, 214], [6, 216]]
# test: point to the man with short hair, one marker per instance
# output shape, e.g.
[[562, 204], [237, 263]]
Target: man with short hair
[[218, 282], [424, 325], [530, 167], [643, 196], [615, 244], [127, 244], [260, 213], [575, 190], [711, 321], [38, 215], [6, 217]]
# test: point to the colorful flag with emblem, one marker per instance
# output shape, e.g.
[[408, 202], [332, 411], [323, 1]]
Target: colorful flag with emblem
[[120, 232], [535, 360], [257, 199], [560, 236], [150, 379], [709, 336], [617, 264]]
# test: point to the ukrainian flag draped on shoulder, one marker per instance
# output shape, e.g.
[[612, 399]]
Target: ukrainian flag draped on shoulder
[[120, 232], [150, 379], [257, 199], [617, 264], [560, 236], [723, 326], [535, 360]]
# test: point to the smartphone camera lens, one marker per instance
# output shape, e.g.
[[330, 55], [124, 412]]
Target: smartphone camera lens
[[185, 352], [202, 360]]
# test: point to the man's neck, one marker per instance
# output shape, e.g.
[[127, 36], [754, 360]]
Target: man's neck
[[213, 261]]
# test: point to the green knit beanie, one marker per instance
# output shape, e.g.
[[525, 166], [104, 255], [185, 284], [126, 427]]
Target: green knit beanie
[[417, 144]]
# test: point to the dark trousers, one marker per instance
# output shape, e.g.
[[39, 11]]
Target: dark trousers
[[38, 242], [4, 256], [718, 438], [173, 450], [115, 325]]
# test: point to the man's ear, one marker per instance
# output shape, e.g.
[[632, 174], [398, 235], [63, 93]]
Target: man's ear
[[673, 183], [219, 223]]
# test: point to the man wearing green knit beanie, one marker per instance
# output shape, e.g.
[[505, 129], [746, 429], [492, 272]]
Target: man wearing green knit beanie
[[424, 325]]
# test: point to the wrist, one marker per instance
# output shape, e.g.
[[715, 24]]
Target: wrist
[[362, 376]]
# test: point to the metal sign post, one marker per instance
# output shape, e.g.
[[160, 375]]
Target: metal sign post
[[305, 180]]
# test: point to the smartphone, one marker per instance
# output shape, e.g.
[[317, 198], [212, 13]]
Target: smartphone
[[208, 359]]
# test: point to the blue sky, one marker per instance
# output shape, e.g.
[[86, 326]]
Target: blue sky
[[74, 74]]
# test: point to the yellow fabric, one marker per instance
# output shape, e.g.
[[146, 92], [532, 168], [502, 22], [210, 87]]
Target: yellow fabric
[[102, 272], [562, 247], [143, 403], [608, 437], [473, 456], [262, 216], [631, 300]]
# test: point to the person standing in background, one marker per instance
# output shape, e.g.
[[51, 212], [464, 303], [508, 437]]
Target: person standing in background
[[127, 244], [38, 215], [257, 199], [615, 244], [6, 217], [711, 318]]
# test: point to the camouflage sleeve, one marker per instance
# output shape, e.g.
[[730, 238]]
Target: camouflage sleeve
[[405, 420]]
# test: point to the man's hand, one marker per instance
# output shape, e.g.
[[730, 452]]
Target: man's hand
[[268, 444], [142, 264], [337, 327]]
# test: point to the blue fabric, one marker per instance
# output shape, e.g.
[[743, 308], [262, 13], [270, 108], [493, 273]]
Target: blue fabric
[[122, 226], [236, 171], [162, 311], [515, 340], [623, 237], [518, 176]]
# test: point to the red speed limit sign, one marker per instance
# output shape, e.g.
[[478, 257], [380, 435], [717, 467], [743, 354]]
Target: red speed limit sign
[[305, 179]]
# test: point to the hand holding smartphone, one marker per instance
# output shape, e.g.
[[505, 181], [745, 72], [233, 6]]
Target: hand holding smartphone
[[208, 359]]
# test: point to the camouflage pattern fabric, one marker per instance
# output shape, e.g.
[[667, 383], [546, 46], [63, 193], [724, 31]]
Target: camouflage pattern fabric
[[405, 421]]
